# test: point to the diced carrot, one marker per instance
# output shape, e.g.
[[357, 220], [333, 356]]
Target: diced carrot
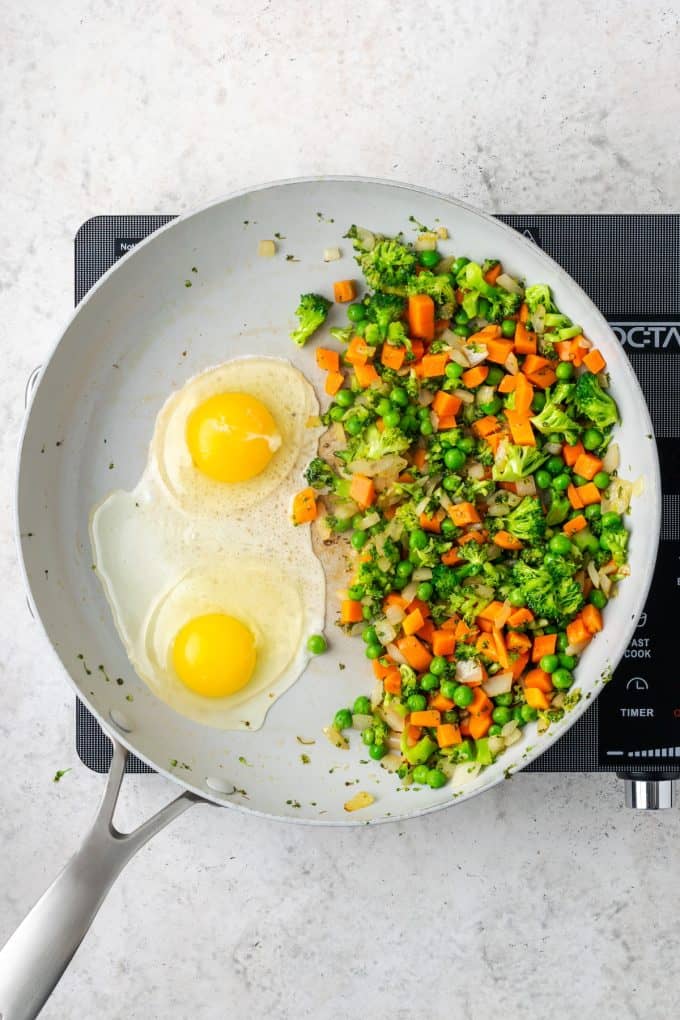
[[491, 275], [524, 394], [486, 426], [566, 350], [440, 325], [508, 486], [572, 453], [434, 364], [581, 346], [589, 493], [496, 612], [543, 378], [446, 403], [463, 631], [415, 653], [358, 352], [413, 622], [450, 558], [327, 360], [505, 540], [574, 498], [518, 666], [544, 644], [440, 703], [422, 606], [536, 698], [474, 377], [443, 642], [406, 478], [480, 703], [433, 522], [498, 350], [351, 611], [587, 465], [594, 361], [463, 513], [524, 313], [480, 725], [418, 349], [508, 383], [520, 429], [304, 506], [420, 312], [380, 424], [501, 650], [479, 537], [333, 383], [517, 642], [577, 632], [362, 490], [485, 643], [344, 290], [380, 670], [494, 440], [446, 421], [592, 618], [419, 457], [490, 332], [575, 525], [413, 735], [520, 617], [525, 342], [450, 624], [366, 375], [534, 363], [427, 717], [392, 682], [393, 357], [448, 734], [395, 599]]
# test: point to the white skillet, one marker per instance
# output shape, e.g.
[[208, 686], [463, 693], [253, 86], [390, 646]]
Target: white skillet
[[119, 357]]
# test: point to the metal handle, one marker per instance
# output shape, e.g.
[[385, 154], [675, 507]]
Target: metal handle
[[649, 794], [40, 950]]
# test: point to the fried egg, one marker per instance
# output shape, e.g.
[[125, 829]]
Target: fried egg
[[213, 591]]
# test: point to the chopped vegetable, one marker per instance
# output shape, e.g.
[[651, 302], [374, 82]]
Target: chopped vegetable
[[312, 312]]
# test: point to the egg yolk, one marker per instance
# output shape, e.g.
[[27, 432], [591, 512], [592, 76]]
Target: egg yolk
[[231, 437], [214, 655]]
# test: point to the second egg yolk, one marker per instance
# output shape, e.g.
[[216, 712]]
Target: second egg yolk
[[214, 655], [231, 437]]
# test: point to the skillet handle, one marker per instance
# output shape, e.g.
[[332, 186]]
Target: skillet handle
[[40, 950]]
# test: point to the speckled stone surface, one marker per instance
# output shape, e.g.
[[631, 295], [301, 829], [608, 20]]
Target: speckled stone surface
[[543, 898]]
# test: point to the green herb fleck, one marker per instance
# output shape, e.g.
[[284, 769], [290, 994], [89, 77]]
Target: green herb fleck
[[302, 740], [59, 774], [305, 759], [188, 283], [244, 761], [291, 258]]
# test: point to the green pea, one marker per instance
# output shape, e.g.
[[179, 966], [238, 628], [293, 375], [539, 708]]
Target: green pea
[[424, 591], [451, 483], [373, 651], [448, 689], [377, 751], [358, 540], [399, 396], [463, 696], [336, 413], [517, 715], [429, 259], [495, 730], [504, 699], [356, 592], [564, 370], [383, 407], [516, 599], [316, 644], [592, 439], [424, 413], [492, 406], [368, 736], [436, 778], [418, 539], [529, 714], [453, 370], [555, 465], [466, 444], [562, 679], [367, 613], [538, 403], [495, 375], [593, 511], [462, 330], [555, 437], [362, 705], [562, 642], [549, 663], [459, 264], [483, 308], [357, 312], [461, 317], [428, 682], [597, 598], [369, 636], [448, 528], [342, 524], [345, 398], [611, 520], [342, 719], [454, 459], [560, 545], [438, 665], [580, 480], [543, 478], [561, 482], [416, 702], [601, 479], [501, 715], [508, 327], [354, 426], [420, 775], [404, 568], [568, 661], [450, 716], [426, 428], [392, 419]]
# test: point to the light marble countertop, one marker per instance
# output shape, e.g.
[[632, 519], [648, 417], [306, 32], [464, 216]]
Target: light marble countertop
[[542, 898]]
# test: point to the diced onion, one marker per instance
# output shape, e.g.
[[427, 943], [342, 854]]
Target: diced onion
[[484, 591], [444, 265], [392, 718], [376, 694], [464, 396], [361, 722], [366, 238], [384, 563], [526, 486], [509, 283], [422, 574], [465, 772], [390, 465], [356, 629], [576, 648], [485, 394], [462, 359], [496, 744], [360, 800], [617, 497], [511, 364], [409, 592], [395, 654], [265, 249], [612, 458], [498, 509], [425, 397], [331, 254], [514, 738], [368, 521], [538, 319], [445, 500], [395, 614], [426, 242], [442, 233], [391, 762], [335, 737], [605, 584], [476, 471], [638, 487], [509, 728], [469, 671], [594, 574], [477, 356], [553, 448], [499, 683], [385, 632]]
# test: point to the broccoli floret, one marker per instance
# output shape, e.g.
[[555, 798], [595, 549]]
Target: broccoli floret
[[467, 603], [520, 461], [388, 266], [474, 553], [439, 287], [557, 321], [483, 453], [593, 403], [407, 515], [312, 312], [431, 555], [362, 240], [374, 581], [553, 418], [444, 581], [615, 541], [342, 333], [503, 303], [526, 521], [471, 280], [477, 489], [563, 393], [382, 310], [321, 476], [539, 295], [548, 592], [373, 445]]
